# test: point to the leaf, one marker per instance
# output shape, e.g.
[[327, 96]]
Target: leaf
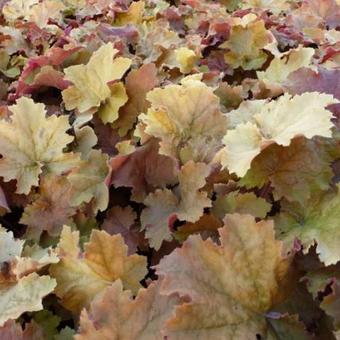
[[304, 165], [66, 333], [88, 181], [134, 14], [137, 83], [51, 209], [121, 221], [248, 37], [15, 9], [308, 80], [115, 315], [276, 122], [187, 120], [231, 286], [109, 111], [324, 282], [31, 143], [206, 226], [86, 139], [12, 330], [90, 82], [82, 275], [182, 58], [288, 327], [160, 207], [9, 246], [315, 222], [186, 59], [331, 304], [21, 289], [17, 261], [274, 6], [143, 170], [48, 323], [280, 68], [163, 206], [235, 202], [46, 77], [42, 12], [24, 296]]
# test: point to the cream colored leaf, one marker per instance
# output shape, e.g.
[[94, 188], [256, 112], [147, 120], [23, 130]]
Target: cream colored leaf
[[24, 296], [182, 58], [15, 9], [9, 246], [134, 14], [33, 259], [187, 120], [43, 11], [274, 6], [31, 142], [276, 122], [242, 145], [16, 261]]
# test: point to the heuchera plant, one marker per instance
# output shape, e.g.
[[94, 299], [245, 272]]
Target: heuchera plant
[[169, 170]]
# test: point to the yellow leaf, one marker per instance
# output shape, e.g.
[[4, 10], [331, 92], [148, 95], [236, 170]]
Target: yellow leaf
[[134, 15], [248, 38], [90, 82], [182, 57], [31, 142], [108, 112], [81, 276]]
